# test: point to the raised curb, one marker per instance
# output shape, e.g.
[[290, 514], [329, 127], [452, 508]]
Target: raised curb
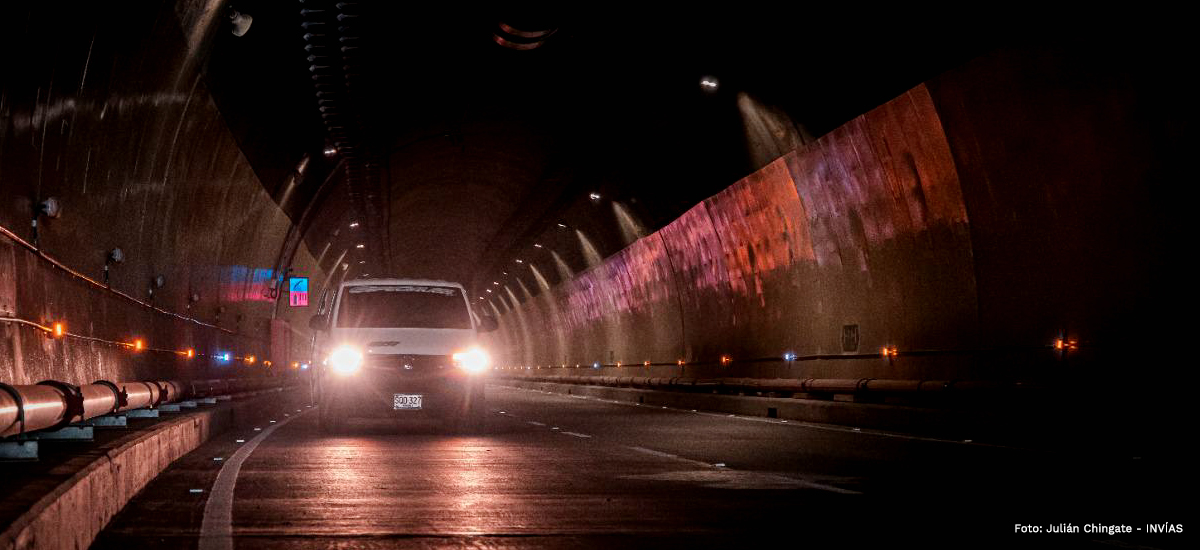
[[862, 415], [70, 516]]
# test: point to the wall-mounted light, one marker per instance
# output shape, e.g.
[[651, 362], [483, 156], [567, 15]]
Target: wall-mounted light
[[156, 283], [709, 84], [536, 245], [518, 260], [190, 353], [562, 225], [50, 208], [330, 151], [60, 329], [353, 224], [138, 345], [241, 22], [360, 245], [594, 196]]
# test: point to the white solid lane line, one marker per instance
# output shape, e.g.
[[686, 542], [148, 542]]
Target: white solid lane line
[[752, 475], [216, 532]]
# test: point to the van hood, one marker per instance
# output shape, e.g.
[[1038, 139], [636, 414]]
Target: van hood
[[405, 341]]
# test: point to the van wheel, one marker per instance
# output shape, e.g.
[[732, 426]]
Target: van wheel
[[331, 423], [469, 422]]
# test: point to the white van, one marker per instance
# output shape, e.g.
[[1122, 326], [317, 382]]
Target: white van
[[401, 347]]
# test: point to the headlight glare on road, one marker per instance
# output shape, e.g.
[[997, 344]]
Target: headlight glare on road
[[473, 360], [346, 360]]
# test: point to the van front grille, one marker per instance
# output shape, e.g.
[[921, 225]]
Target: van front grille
[[410, 363]]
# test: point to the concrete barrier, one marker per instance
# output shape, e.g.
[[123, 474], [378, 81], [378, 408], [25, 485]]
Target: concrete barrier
[[913, 420]]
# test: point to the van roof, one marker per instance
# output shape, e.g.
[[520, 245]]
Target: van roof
[[425, 282]]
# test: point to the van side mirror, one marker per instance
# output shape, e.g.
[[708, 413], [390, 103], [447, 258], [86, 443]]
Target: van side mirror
[[319, 322], [488, 324]]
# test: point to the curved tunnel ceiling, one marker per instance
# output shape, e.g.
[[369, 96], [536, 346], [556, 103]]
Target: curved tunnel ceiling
[[486, 149]]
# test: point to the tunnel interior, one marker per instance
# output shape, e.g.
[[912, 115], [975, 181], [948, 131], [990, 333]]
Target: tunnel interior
[[695, 195]]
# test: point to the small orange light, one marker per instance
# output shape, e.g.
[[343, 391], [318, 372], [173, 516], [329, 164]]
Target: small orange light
[[138, 344], [267, 363], [295, 365], [191, 353], [60, 330], [646, 363], [679, 362], [618, 363], [1058, 344], [249, 359], [725, 359]]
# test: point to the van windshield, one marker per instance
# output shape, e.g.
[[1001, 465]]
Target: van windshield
[[402, 306]]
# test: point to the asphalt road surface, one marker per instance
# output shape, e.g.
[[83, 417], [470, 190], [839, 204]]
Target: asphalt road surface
[[555, 471]]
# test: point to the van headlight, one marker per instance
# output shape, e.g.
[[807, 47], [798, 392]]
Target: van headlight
[[473, 360], [346, 360]]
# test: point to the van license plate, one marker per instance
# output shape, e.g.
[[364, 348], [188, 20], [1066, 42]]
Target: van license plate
[[405, 401]]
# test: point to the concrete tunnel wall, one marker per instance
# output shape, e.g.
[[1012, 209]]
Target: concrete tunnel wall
[[982, 215], [113, 119]]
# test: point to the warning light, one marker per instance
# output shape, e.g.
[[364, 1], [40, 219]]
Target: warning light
[[1058, 344], [725, 359], [680, 362], [295, 364], [191, 353], [138, 345], [618, 364], [60, 330], [249, 359], [267, 363], [888, 352], [646, 363], [789, 356]]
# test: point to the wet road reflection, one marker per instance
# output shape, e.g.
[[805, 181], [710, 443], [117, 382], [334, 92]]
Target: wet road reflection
[[557, 472]]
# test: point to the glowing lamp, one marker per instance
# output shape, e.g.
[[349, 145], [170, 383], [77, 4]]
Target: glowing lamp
[[473, 360], [346, 361], [60, 330], [190, 353]]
